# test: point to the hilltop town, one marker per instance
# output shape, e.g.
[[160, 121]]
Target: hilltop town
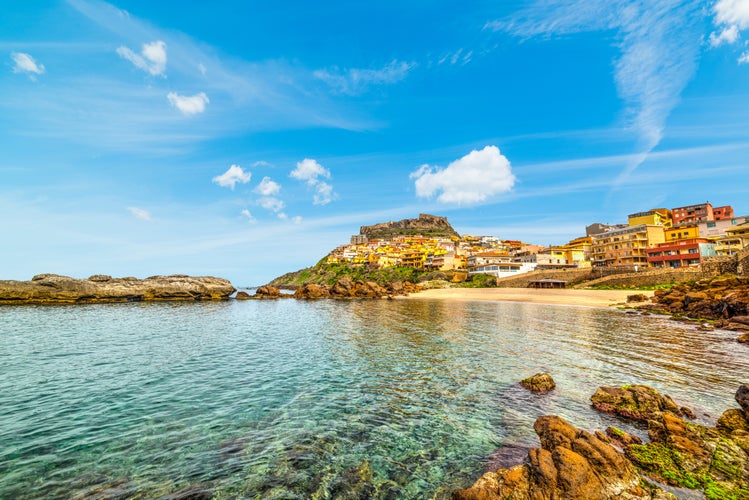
[[662, 238]]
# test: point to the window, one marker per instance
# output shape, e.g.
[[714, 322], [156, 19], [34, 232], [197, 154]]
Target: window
[[711, 224]]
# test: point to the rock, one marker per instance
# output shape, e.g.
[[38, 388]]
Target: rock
[[686, 412], [354, 484], [55, 289], [312, 291], [638, 402], [742, 397], [744, 320], [732, 420], [570, 464], [637, 297], [267, 292], [243, 296], [540, 382], [743, 339], [101, 278], [622, 438]]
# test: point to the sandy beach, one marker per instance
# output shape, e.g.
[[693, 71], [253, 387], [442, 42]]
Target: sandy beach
[[590, 298]]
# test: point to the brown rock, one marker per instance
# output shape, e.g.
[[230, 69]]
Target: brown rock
[[622, 438], [55, 289], [743, 339], [638, 402], [571, 464], [312, 291], [267, 292], [742, 397], [732, 420], [540, 382], [243, 296]]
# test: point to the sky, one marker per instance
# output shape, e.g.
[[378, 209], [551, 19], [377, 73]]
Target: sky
[[246, 139]]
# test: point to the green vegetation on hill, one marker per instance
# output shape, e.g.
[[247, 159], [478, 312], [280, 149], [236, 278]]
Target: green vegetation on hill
[[323, 273]]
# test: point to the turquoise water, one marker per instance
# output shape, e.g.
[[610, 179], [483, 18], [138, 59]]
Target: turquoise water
[[330, 399]]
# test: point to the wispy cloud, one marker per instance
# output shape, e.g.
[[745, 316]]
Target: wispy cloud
[[272, 204], [310, 172], [139, 213], [659, 42], [744, 58], [24, 63], [235, 174], [152, 57], [247, 215], [267, 187], [188, 104], [356, 81], [471, 179]]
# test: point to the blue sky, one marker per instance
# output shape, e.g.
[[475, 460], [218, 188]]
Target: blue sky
[[247, 139]]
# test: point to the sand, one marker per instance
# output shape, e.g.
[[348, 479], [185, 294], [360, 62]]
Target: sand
[[577, 297]]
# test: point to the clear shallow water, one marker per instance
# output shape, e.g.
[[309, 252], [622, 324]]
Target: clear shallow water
[[287, 399]]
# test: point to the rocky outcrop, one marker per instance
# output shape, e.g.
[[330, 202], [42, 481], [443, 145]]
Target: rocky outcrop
[[267, 292], [425, 224], [571, 463], [346, 288], [55, 289], [637, 402], [723, 299], [540, 382]]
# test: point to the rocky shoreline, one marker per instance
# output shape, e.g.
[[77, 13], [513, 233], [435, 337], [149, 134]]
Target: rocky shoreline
[[576, 463], [97, 289], [723, 301]]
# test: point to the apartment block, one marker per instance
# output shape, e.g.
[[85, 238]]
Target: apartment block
[[626, 246], [682, 253]]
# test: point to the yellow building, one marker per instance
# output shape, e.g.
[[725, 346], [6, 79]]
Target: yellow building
[[626, 246], [740, 232], [656, 217], [682, 232]]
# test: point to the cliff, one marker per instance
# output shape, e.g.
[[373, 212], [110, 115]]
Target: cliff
[[425, 225], [55, 289]]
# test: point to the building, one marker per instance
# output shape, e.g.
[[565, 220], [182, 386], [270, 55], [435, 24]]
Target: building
[[656, 216], [359, 239], [681, 253], [740, 232], [718, 228], [723, 213], [692, 213], [598, 228], [627, 246], [684, 231]]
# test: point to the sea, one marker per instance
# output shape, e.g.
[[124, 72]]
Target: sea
[[287, 399]]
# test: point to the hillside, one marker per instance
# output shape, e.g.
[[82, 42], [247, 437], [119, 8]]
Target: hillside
[[323, 273]]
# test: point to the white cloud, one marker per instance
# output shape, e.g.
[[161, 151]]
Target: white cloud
[[732, 13], [744, 58], [659, 42], [203, 70], [24, 63], [283, 216], [729, 35], [310, 171], [356, 81], [271, 203], [267, 187], [470, 179], [231, 177], [246, 214], [140, 213], [323, 193], [152, 58], [188, 105], [296, 220]]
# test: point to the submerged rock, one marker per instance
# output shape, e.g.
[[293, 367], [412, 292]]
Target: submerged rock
[[540, 382], [194, 492], [55, 289]]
